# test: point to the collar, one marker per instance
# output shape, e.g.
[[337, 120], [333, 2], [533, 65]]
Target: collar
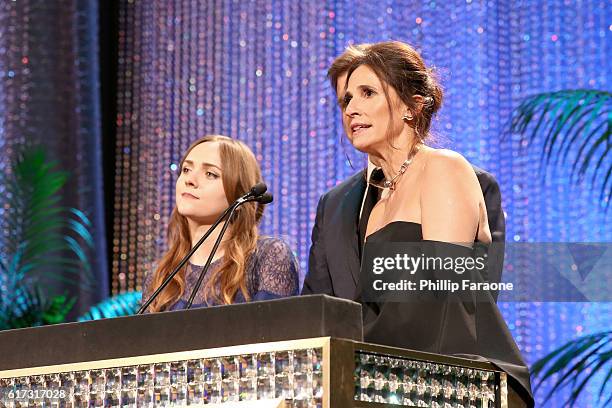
[[370, 169]]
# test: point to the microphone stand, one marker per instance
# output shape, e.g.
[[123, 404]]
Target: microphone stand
[[264, 199], [256, 190]]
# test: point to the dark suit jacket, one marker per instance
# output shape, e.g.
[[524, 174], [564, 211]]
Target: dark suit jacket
[[334, 267]]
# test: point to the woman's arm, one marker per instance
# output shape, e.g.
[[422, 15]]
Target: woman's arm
[[451, 199]]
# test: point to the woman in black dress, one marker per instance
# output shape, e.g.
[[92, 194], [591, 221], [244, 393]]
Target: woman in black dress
[[427, 195]]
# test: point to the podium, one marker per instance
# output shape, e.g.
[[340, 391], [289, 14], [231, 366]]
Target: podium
[[303, 351]]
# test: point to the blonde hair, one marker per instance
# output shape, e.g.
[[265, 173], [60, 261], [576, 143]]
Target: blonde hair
[[240, 172]]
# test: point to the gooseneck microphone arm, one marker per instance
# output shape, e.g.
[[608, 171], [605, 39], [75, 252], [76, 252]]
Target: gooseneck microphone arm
[[256, 191], [209, 260], [262, 199]]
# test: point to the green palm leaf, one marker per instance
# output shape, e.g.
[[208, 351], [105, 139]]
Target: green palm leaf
[[48, 242], [28, 306], [40, 222], [576, 363], [124, 304], [571, 121]]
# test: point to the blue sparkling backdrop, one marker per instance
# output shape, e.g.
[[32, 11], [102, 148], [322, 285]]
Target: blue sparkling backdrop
[[256, 70]]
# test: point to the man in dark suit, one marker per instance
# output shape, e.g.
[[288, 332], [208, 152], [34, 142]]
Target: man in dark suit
[[334, 268]]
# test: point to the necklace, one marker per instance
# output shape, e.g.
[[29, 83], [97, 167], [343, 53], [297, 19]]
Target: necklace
[[390, 184]]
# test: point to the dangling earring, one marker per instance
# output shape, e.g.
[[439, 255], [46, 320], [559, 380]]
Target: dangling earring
[[407, 117]]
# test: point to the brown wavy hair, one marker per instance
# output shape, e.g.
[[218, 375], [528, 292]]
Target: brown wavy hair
[[343, 63], [400, 66], [240, 172]]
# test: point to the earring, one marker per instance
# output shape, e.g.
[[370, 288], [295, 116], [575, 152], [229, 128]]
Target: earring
[[407, 117]]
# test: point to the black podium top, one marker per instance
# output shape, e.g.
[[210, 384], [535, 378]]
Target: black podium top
[[257, 322]]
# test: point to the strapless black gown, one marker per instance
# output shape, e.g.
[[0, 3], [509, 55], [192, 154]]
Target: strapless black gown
[[477, 331]]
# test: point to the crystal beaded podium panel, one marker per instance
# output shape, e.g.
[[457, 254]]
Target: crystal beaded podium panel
[[330, 369]]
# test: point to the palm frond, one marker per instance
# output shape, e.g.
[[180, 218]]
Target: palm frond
[[57, 309], [28, 306], [576, 363], [48, 243], [39, 222], [124, 304], [571, 121], [603, 387]]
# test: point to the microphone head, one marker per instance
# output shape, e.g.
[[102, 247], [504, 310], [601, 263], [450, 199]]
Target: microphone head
[[258, 189], [265, 198]]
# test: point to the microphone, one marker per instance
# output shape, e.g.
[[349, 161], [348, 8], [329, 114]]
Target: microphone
[[256, 193], [258, 189], [266, 198]]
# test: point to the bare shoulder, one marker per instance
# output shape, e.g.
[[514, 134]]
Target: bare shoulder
[[447, 166], [450, 198]]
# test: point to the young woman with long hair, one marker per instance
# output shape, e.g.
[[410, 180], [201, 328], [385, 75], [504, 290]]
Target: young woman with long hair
[[214, 172]]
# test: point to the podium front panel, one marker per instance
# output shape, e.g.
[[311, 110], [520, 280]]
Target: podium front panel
[[308, 373]]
